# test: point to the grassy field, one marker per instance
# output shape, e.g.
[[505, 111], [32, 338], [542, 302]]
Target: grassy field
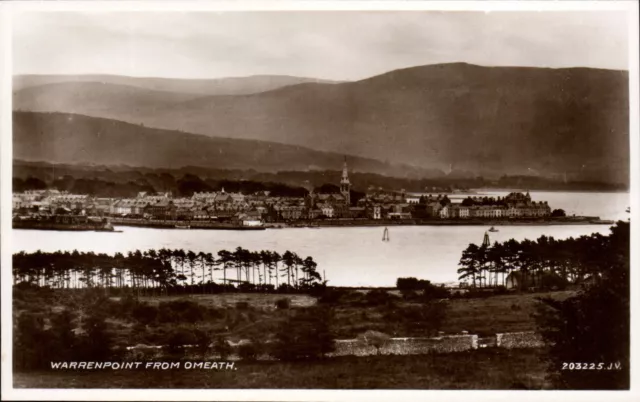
[[479, 369], [482, 316], [242, 315], [504, 313]]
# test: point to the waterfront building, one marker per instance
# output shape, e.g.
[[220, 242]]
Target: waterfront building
[[291, 212], [162, 209], [399, 215], [377, 212], [327, 210], [201, 212], [433, 209], [314, 213], [458, 211]]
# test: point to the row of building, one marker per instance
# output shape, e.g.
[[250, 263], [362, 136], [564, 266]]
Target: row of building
[[221, 205]]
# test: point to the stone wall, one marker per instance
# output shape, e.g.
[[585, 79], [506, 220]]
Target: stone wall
[[407, 346], [514, 340], [394, 346]]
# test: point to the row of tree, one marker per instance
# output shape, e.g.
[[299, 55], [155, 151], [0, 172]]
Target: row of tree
[[183, 186], [168, 271], [530, 263]]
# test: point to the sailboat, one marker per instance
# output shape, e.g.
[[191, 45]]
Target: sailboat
[[385, 234]]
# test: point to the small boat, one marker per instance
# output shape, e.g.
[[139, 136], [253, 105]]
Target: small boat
[[385, 234], [182, 226], [628, 210], [493, 229]]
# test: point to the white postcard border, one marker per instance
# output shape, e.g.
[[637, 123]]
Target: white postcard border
[[8, 9]]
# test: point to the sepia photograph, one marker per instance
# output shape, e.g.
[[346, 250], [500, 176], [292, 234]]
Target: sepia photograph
[[413, 197]]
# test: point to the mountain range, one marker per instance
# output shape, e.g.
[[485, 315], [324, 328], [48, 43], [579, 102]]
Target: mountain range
[[198, 87], [488, 120]]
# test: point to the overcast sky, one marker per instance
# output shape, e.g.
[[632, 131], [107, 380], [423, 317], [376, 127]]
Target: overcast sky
[[346, 45]]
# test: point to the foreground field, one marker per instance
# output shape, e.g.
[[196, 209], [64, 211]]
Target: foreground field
[[479, 369], [238, 316], [504, 313], [482, 316]]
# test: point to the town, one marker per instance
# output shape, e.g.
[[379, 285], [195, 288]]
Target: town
[[260, 208]]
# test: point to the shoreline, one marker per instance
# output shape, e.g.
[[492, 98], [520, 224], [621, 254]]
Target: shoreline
[[188, 225]]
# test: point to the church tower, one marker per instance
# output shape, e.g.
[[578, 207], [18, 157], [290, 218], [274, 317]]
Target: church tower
[[345, 185]]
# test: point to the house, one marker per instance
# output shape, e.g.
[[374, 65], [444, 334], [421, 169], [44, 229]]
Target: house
[[458, 211], [377, 212], [250, 218], [289, 212], [327, 210], [18, 202], [71, 201], [333, 199], [184, 213], [399, 211], [341, 211], [433, 209], [237, 198], [261, 210], [314, 213], [200, 212], [128, 207], [357, 212], [205, 197], [162, 210], [99, 207], [512, 212]]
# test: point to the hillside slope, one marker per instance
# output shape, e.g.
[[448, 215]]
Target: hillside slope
[[68, 138]]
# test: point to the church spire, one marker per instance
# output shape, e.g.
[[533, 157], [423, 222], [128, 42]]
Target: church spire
[[345, 172], [345, 184]]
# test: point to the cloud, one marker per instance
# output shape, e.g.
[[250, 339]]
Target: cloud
[[344, 45]]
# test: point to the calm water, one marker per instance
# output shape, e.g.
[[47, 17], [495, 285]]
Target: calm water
[[348, 256]]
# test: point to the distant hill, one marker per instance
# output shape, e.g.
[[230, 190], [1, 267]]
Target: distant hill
[[199, 87], [73, 139], [486, 120], [126, 102]]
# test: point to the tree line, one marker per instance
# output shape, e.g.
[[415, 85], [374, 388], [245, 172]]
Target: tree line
[[545, 262], [593, 325], [168, 271]]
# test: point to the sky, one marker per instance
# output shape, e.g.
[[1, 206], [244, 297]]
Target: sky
[[336, 45]]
